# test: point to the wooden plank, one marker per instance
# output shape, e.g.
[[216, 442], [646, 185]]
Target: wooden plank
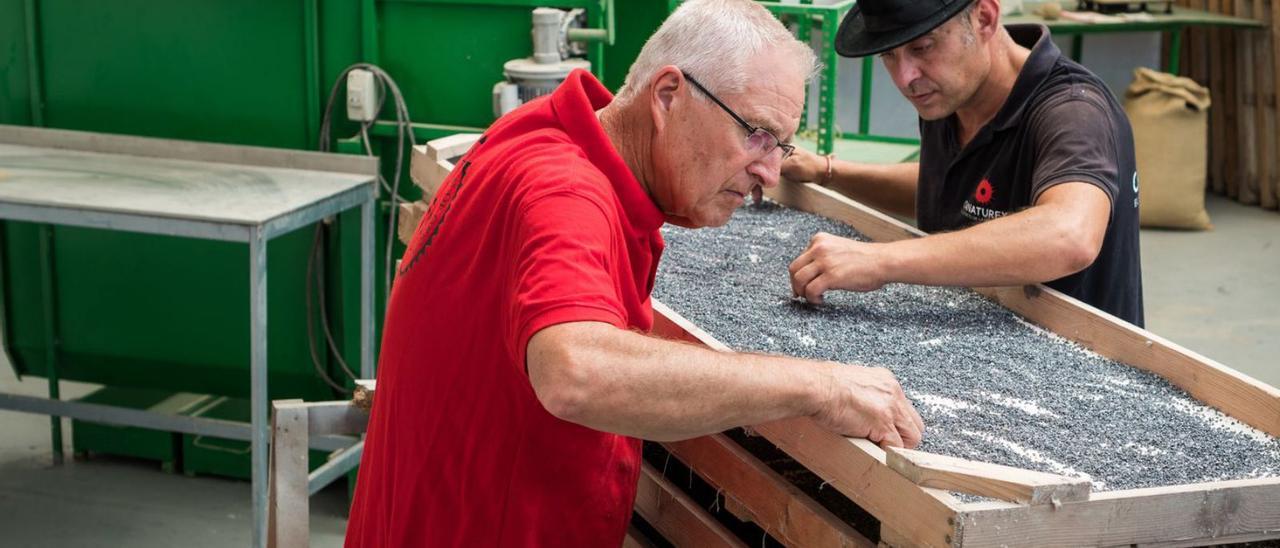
[[893, 539], [1248, 400], [1246, 99], [985, 479], [429, 164], [288, 501], [411, 213], [855, 467], [678, 518], [1217, 124], [764, 496], [1264, 112], [1251, 401], [1196, 44], [1272, 100], [1231, 114], [636, 539], [1206, 513]]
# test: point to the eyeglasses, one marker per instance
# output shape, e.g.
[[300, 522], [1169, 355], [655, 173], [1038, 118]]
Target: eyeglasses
[[758, 139]]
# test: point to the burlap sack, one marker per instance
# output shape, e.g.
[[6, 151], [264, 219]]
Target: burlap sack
[[1170, 128]]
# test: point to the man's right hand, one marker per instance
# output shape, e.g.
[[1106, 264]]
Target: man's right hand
[[804, 167], [868, 402]]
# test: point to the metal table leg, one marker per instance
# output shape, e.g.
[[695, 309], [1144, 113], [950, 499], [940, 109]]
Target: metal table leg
[[50, 304], [366, 289], [258, 381]]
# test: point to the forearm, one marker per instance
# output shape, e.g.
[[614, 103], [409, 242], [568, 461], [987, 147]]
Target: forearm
[[1028, 247], [887, 187], [623, 382]]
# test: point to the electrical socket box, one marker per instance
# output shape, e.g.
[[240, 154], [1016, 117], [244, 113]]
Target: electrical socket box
[[362, 96]]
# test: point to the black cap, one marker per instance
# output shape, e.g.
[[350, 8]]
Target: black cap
[[875, 26]]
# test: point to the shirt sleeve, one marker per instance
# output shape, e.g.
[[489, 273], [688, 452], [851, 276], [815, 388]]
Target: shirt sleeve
[[1075, 142], [564, 266]]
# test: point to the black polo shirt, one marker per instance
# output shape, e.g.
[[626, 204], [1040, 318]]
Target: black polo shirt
[[1060, 124]]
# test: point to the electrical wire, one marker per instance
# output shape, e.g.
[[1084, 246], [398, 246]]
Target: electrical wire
[[404, 131]]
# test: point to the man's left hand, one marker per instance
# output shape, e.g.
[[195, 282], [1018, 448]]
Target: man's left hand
[[832, 262]]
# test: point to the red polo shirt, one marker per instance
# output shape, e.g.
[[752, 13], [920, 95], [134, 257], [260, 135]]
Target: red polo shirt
[[540, 223]]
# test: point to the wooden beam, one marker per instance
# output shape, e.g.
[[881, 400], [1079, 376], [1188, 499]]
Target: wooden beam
[[984, 479], [1248, 400], [1274, 127], [1264, 113], [854, 467], [636, 539], [1206, 513], [1217, 120], [429, 164], [763, 495], [678, 518], [288, 501], [1231, 113], [1245, 99]]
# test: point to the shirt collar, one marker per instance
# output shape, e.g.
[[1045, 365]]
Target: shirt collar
[[1044, 55], [575, 104]]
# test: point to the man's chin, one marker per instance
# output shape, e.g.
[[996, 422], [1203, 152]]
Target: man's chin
[[700, 223]]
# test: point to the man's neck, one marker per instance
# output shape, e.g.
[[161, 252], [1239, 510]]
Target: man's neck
[[1007, 61], [629, 133]]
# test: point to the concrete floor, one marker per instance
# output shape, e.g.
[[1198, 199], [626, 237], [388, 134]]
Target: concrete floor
[[1216, 292]]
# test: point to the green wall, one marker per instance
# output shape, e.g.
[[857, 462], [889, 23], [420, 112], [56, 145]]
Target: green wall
[[173, 313]]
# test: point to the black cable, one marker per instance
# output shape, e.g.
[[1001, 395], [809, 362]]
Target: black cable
[[311, 335], [404, 131]]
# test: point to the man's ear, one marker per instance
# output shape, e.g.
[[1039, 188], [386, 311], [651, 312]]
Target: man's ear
[[988, 18], [665, 92]]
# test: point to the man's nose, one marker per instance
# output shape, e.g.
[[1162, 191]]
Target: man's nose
[[768, 169]]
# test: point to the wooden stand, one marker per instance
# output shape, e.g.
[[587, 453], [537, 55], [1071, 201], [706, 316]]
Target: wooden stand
[[900, 490], [895, 488]]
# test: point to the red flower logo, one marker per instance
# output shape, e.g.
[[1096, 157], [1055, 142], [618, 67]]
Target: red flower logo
[[983, 194]]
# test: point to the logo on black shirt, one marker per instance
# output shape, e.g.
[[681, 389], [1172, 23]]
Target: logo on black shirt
[[983, 193], [973, 208]]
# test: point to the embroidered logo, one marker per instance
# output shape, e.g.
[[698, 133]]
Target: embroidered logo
[[984, 192]]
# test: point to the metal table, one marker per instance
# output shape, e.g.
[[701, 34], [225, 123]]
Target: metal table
[[195, 190]]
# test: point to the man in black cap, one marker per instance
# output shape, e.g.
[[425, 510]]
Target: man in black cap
[[1026, 170]]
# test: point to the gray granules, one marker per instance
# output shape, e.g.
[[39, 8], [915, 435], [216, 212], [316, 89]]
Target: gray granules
[[989, 386]]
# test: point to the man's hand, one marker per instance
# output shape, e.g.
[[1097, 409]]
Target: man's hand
[[868, 402], [804, 167], [832, 262]]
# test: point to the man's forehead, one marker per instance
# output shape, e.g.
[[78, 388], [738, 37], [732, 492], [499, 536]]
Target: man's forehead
[[773, 107]]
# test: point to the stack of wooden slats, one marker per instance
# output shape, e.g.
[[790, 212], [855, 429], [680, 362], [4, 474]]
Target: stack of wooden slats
[[1240, 68]]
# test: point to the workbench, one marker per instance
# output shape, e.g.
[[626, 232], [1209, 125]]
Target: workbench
[[205, 191]]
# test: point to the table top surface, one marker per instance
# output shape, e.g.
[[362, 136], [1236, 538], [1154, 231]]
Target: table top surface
[[163, 188]]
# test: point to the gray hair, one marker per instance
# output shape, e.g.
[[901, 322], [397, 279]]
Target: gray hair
[[714, 41]]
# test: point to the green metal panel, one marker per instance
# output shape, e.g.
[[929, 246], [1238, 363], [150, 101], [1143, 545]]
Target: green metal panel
[[130, 441], [154, 312], [227, 71], [205, 455], [14, 83], [447, 56], [157, 312]]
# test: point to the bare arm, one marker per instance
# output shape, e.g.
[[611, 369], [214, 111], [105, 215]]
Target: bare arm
[[1061, 235], [614, 380], [887, 187]]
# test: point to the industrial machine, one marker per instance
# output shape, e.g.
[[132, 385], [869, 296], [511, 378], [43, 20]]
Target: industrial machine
[[555, 55]]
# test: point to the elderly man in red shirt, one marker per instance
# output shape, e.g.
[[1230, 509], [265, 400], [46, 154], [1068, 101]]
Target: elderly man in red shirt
[[516, 380]]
